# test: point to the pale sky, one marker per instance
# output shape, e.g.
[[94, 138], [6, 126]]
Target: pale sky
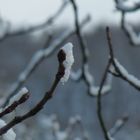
[[35, 11]]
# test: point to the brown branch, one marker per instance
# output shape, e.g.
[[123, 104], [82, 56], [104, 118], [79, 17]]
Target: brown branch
[[48, 95], [78, 32], [37, 58], [104, 77], [14, 105]]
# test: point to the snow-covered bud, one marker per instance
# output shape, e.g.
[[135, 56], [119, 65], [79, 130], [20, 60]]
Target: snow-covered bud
[[68, 62]]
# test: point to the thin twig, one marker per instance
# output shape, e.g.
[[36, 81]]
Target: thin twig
[[48, 95], [133, 37], [119, 70], [85, 75], [79, 35], [99, 103], [37, 58], [14, 105]]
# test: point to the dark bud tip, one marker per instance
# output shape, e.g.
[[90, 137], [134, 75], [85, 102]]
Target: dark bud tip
[[61, 56]]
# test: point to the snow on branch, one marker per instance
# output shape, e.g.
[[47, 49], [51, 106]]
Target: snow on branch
[[15, 101], [47, 96], [84, 73], [117, 69], [122, 6], [18, 96], [125, 75], [38, 57], [93, 90], [10, 135], [133, 37], [68, 61]]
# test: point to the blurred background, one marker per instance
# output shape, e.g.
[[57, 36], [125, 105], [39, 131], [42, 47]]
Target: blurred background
[[71, 103]]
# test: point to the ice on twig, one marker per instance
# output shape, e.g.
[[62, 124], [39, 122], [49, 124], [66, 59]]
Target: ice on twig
[[68, 61], [10, 134]]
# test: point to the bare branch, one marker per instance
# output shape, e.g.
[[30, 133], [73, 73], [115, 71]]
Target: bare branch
[[133, 37], [86, 76], [123, 74], [118, 70], [38, 57], [48, 95], [14, 105], [99, 105]]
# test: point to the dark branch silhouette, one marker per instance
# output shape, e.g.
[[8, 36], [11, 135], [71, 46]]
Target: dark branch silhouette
[[38, 57], [48, 95], [84, 73]]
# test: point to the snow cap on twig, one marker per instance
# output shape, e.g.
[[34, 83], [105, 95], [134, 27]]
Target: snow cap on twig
[[69, 60], [17, 97], [129, 77]]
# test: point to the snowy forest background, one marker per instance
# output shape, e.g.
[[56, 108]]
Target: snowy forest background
[[71, 104]]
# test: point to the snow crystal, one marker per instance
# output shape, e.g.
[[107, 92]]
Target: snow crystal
[[22, 92], [68, 61], [10, 134]]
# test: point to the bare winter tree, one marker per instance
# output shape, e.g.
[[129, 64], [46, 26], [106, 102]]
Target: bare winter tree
[[18, 94]]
